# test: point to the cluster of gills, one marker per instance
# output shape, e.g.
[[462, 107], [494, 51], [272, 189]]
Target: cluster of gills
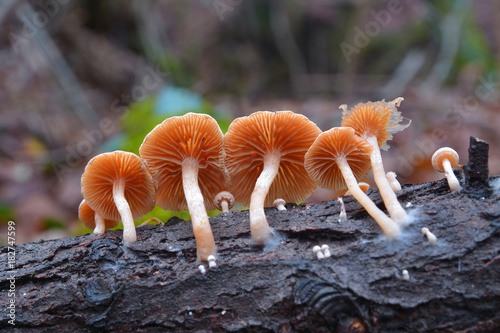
[[186, 162]]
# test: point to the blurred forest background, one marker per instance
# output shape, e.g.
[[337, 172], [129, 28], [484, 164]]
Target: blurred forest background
[[82, 77]]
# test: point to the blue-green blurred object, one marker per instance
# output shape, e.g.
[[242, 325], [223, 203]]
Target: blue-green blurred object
[[172, 101]]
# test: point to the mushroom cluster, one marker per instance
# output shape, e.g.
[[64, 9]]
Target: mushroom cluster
[[265, 159]]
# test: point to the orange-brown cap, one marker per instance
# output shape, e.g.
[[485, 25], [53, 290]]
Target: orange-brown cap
[[165, 148], [444, 153], [248, 139], [381, 119], [87, 216], [105, 170], [320, 161]]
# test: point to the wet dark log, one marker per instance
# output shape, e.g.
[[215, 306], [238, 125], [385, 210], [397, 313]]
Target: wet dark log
[[91, 283]]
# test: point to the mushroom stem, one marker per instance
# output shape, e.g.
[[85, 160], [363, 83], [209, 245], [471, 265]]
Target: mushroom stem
[[261, 232], [452, 180], [396, 211], [129, 234], [100, 226], [205, 243], [389, 227], [225, 206]]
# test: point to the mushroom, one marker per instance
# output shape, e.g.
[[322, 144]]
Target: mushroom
[[376, 122], [363, 186], [318, 252], [93, 220], [279, 204], [391, 178], [153, 219], [265, 160], [118, 186], [224, 201], [326, 250], [406, 275], [337, 159], [444, 160], [185, 156], [211, 261], [430, 236], [343, 214]]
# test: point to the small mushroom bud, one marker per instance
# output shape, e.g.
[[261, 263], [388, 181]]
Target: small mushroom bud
[[391, 177], [279, 204], [362, 185], [430, 236], [318, 252], [202, 269], [224, 201], [326, 250], [406, 275], [343, 214], [211, 261]]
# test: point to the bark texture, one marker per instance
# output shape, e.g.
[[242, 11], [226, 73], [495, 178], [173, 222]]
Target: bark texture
[[93, 283]]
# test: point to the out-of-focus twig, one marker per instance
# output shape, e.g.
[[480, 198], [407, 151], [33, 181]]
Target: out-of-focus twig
[[496, 20], [69, 82], [451, 31], [404, 73], [283, 36], [5, 7]]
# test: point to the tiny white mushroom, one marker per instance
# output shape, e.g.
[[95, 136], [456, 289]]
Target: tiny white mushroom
[[430, 236], [444, 160], [318, 252], [279, 204], [406, 275], [326, 250], [211, 261], [342, 214], [391, 177], [202, 269]]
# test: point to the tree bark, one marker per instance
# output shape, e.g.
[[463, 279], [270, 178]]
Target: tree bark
[[91, 283]]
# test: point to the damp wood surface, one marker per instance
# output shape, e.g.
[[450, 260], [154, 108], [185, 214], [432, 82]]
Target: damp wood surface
[[93, 283]]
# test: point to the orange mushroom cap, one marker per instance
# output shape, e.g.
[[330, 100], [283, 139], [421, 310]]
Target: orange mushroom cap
[[165, 148], [248, 139], [321, 158], [104, 170], [444, 153], [381, 119], [87, 216]]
